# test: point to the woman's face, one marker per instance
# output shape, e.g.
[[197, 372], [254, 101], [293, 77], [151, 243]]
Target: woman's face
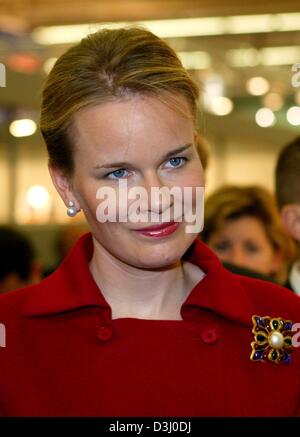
[[135, 140], [244, 243]]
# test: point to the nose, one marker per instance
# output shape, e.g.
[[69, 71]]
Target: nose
[[237, 257], [159, 198]]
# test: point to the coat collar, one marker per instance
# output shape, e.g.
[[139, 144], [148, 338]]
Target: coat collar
[[72, 287]]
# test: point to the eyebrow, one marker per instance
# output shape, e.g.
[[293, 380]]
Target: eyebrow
[[128, 164]]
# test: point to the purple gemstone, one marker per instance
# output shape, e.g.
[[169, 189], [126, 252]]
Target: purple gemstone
[[287, 358], [258, 355], [288, 326], [259, 321]]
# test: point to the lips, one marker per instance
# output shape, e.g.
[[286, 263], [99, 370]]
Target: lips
[[156, 227], [158, 231]]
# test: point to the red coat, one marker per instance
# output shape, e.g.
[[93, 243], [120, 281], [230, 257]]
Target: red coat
[[65, 356]]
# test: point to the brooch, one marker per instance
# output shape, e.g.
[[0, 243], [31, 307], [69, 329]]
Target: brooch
[[273, 341]]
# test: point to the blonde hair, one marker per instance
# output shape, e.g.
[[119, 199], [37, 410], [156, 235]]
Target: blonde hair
[[202, 147], [107, 65], [234, 202]]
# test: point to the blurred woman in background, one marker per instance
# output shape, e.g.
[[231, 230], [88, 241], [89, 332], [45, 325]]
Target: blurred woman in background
[[243, 227]]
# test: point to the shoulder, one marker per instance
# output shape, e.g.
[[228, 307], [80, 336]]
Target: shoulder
[[12, 302], [268, 297]]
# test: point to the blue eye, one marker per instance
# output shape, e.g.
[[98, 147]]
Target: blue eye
[[177, 162], [117, 174]]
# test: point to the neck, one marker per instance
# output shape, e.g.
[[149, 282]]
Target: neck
[[139, 293]]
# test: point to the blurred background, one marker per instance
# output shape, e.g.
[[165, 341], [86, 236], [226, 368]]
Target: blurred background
[[242, 54]]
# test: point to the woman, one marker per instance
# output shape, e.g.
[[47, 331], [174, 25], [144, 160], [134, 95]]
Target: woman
[[140, 319], [243, 227]]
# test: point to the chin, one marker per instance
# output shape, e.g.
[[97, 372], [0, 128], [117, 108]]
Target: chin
[[162, 255], [158, 262]]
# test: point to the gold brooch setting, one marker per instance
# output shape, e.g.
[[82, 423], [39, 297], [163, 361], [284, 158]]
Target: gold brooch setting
[[272, 339]]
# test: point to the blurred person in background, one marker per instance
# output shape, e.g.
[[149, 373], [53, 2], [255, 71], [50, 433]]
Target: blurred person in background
[[243, 227], [287, 187], [18, 266]]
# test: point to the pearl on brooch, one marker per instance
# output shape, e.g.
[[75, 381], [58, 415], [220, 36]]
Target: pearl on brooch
[[276, 340]]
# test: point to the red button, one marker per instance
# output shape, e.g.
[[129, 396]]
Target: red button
[[105, 333], [210, 335]]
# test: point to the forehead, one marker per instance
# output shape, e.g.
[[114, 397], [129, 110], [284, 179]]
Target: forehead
[[245, 225], [139, 124]]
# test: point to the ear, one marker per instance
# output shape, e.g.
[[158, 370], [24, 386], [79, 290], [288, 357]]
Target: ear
[[63, 186], [290, 215]]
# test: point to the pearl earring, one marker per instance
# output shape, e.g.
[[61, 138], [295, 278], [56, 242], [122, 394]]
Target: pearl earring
[[71, 210]]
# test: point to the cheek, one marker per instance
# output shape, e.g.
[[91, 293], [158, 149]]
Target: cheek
[[266, 251], [88, 200], [193, 179], [106, 195], [190, 176], [269, 256], [90, 204], [223, 256], [263, 260], [196, 174]]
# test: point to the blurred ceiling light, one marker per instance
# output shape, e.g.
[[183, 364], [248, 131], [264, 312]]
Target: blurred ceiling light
[[49, 64], [67, 34], [273, 101], [293, 115], [196, 60], [221, 105], [23, 62], [22, 128], [37, 197], [213, 87], [264, 117], [287, 55], [257, 86], [243, 57], [289, 22], [251, 23], [297, 98], [180, 27], [183, 27], [268, 56]]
